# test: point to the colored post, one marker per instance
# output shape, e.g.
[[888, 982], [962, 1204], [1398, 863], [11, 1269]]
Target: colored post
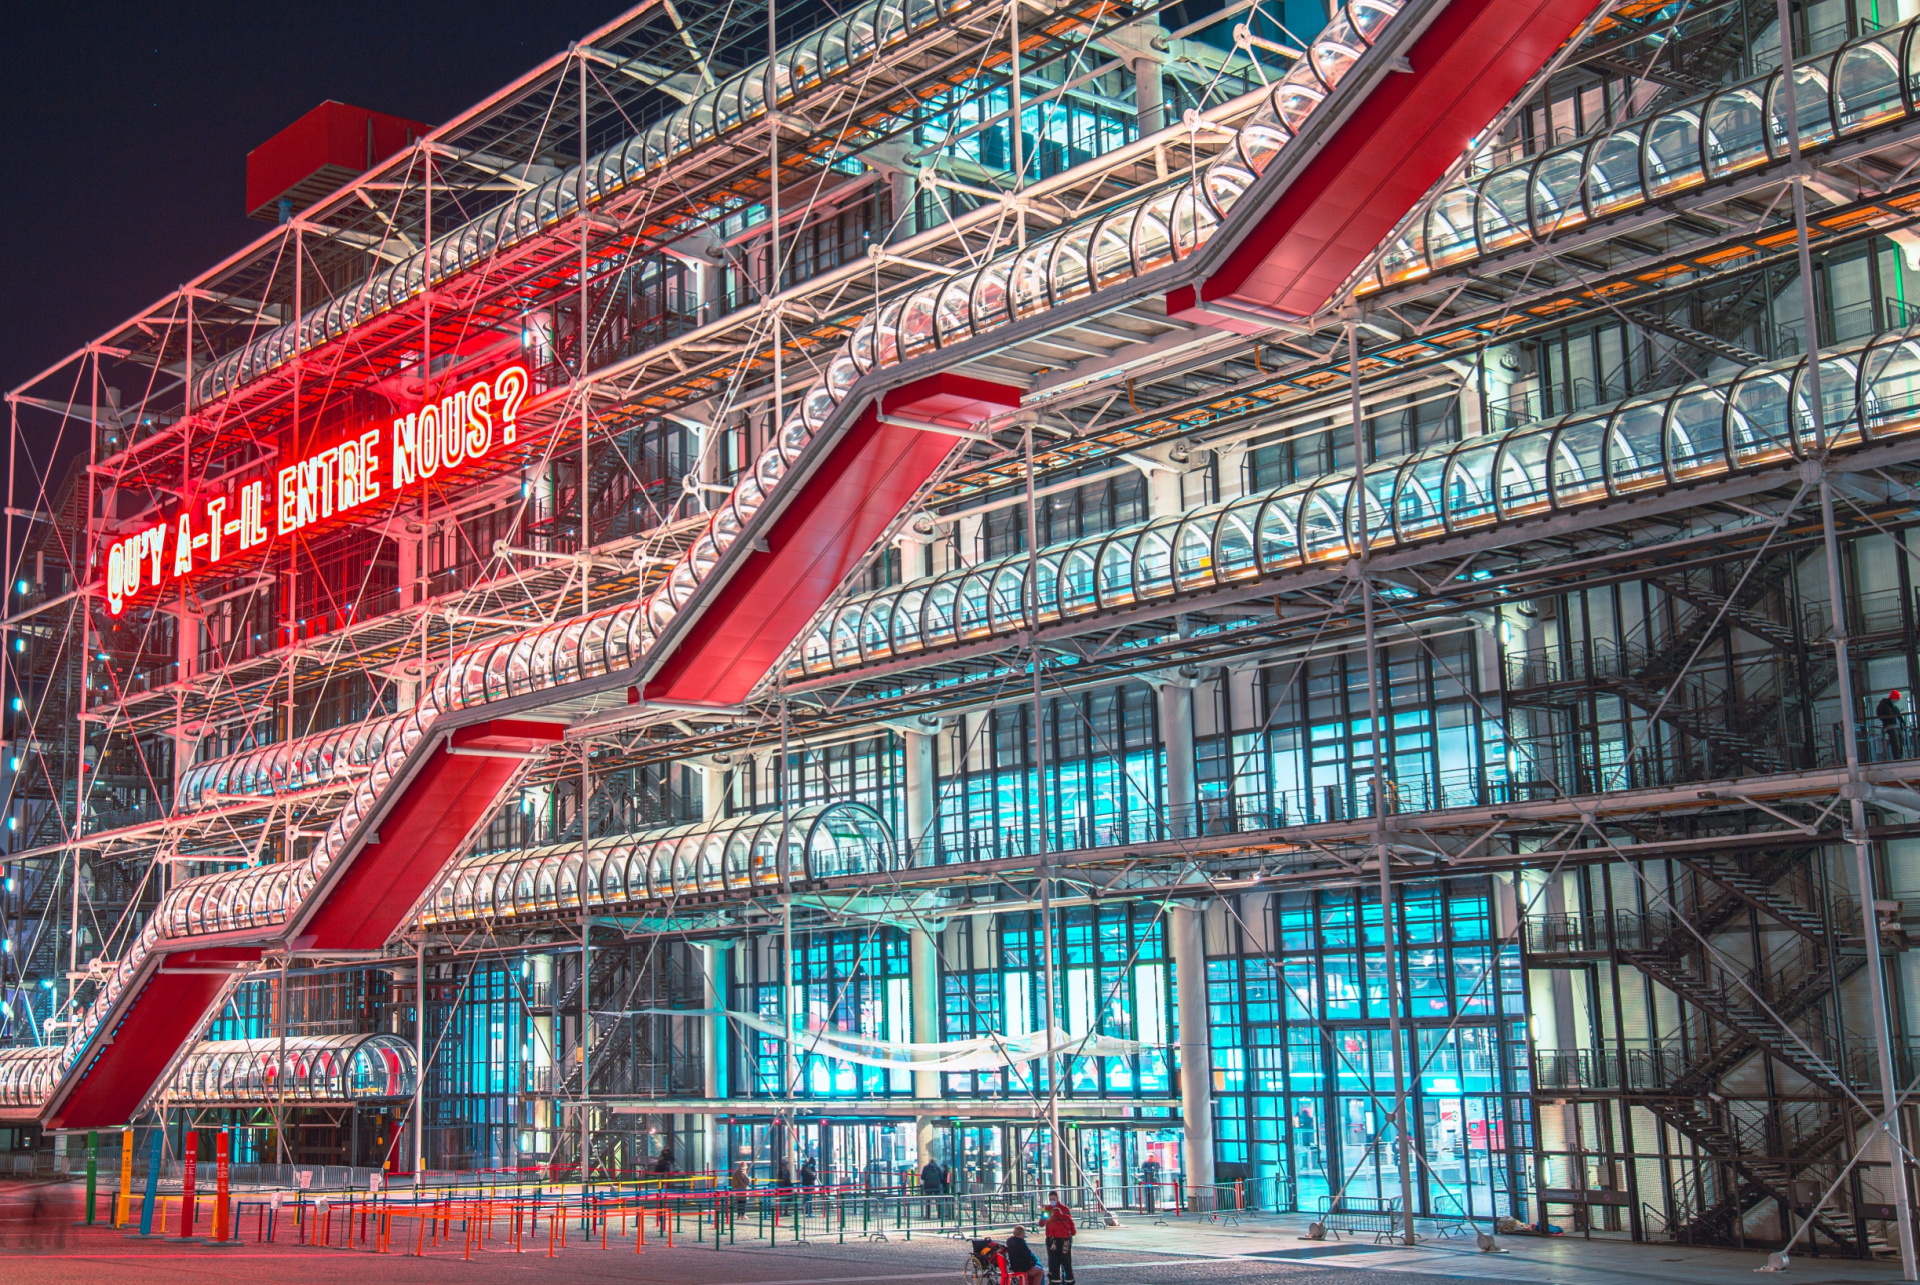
[[222, 1160], [123, 1199], [153, 1186], [189, 1167], [93, 1170]]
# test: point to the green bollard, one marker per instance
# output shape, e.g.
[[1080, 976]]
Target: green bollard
[[93, 1169]]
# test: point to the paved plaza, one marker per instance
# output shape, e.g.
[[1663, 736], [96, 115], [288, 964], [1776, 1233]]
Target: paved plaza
[[1141, 1251]]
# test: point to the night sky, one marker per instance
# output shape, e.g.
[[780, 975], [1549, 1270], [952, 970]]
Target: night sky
[[129, 126]]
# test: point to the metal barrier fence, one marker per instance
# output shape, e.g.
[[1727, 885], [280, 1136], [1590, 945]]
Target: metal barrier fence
[[527, 1216]]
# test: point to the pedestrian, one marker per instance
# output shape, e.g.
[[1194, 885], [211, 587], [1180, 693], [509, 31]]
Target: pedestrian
[[1021, 1263], [809, 1177], [1060, 1231], [932, 1183], [783, 1185], [1891, 717], [740, 1180], [1150, 1180], [663, 1164]]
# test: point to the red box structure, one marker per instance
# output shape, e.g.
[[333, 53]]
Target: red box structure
[[328, 147]]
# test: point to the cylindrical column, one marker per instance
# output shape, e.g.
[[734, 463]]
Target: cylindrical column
[[713, 790], [714, 1050], [1176, 731], [923, 963], [1186, 932], [706, 287], [923, 796], [1149, 112]]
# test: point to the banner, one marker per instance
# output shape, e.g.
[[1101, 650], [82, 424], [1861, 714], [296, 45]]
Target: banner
[[986, 1053]]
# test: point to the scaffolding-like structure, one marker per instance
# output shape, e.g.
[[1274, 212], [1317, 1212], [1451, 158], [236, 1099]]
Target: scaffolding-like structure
[[1541, 588]]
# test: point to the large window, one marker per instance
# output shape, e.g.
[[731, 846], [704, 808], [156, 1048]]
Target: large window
[[1303, 1067], [854, 982], [1114, 978], [1103, 776]]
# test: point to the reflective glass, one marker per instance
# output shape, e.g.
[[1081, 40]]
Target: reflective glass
[[1469, 484], [1635, 445], [1866, 82], [1613, 173], [1696, 432], [1673, 152], [1577, 462], [1758, 416], [1522, 486]]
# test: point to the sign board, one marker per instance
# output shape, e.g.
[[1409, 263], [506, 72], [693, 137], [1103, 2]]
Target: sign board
[[439, 438], [1589, 1196]]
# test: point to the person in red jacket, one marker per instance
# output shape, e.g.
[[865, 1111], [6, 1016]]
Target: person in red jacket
[[1060, 1231]]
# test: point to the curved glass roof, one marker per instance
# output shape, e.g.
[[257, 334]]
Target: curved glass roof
[[733, 854], [27, 1075], [305, 1068], [1755, 416], [302, 1069], [1861, 85], [286, 766]]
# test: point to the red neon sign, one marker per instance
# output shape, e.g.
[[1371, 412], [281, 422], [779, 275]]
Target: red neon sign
[[441, 437]]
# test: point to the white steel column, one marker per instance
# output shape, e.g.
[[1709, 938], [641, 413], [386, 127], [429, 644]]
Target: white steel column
[[1176, 731], [1148, 107], [714, 1051], [922, 791], [1186, 932], [923, 963], [713, 789], [1880, 1016]]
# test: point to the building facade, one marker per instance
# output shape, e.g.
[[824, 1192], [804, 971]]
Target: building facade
[[1434, 746]]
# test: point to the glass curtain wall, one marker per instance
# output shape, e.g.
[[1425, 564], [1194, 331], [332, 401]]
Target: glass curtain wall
[[1302, 1069], [854, 982], [1104, 774], [1313, 760], [479, 1090]]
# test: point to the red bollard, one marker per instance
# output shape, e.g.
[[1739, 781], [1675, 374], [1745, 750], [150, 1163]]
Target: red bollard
[[222, 1165], [189, 1165]]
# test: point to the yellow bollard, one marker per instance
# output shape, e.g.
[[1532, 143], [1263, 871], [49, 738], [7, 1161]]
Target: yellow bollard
[[123, 1201]]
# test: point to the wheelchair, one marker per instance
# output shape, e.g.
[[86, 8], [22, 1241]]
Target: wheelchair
[[984, 1264]]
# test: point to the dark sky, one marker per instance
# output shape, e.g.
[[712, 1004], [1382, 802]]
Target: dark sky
[[128, 128]]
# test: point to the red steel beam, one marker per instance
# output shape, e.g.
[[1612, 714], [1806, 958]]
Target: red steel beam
[[867, 477], [1467, 66]]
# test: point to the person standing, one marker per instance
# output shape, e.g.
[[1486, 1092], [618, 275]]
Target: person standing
[[932, 1182], [740, 1180], [1149, 1181], [1060, 1230], [809, 1177], [1891, 717]]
